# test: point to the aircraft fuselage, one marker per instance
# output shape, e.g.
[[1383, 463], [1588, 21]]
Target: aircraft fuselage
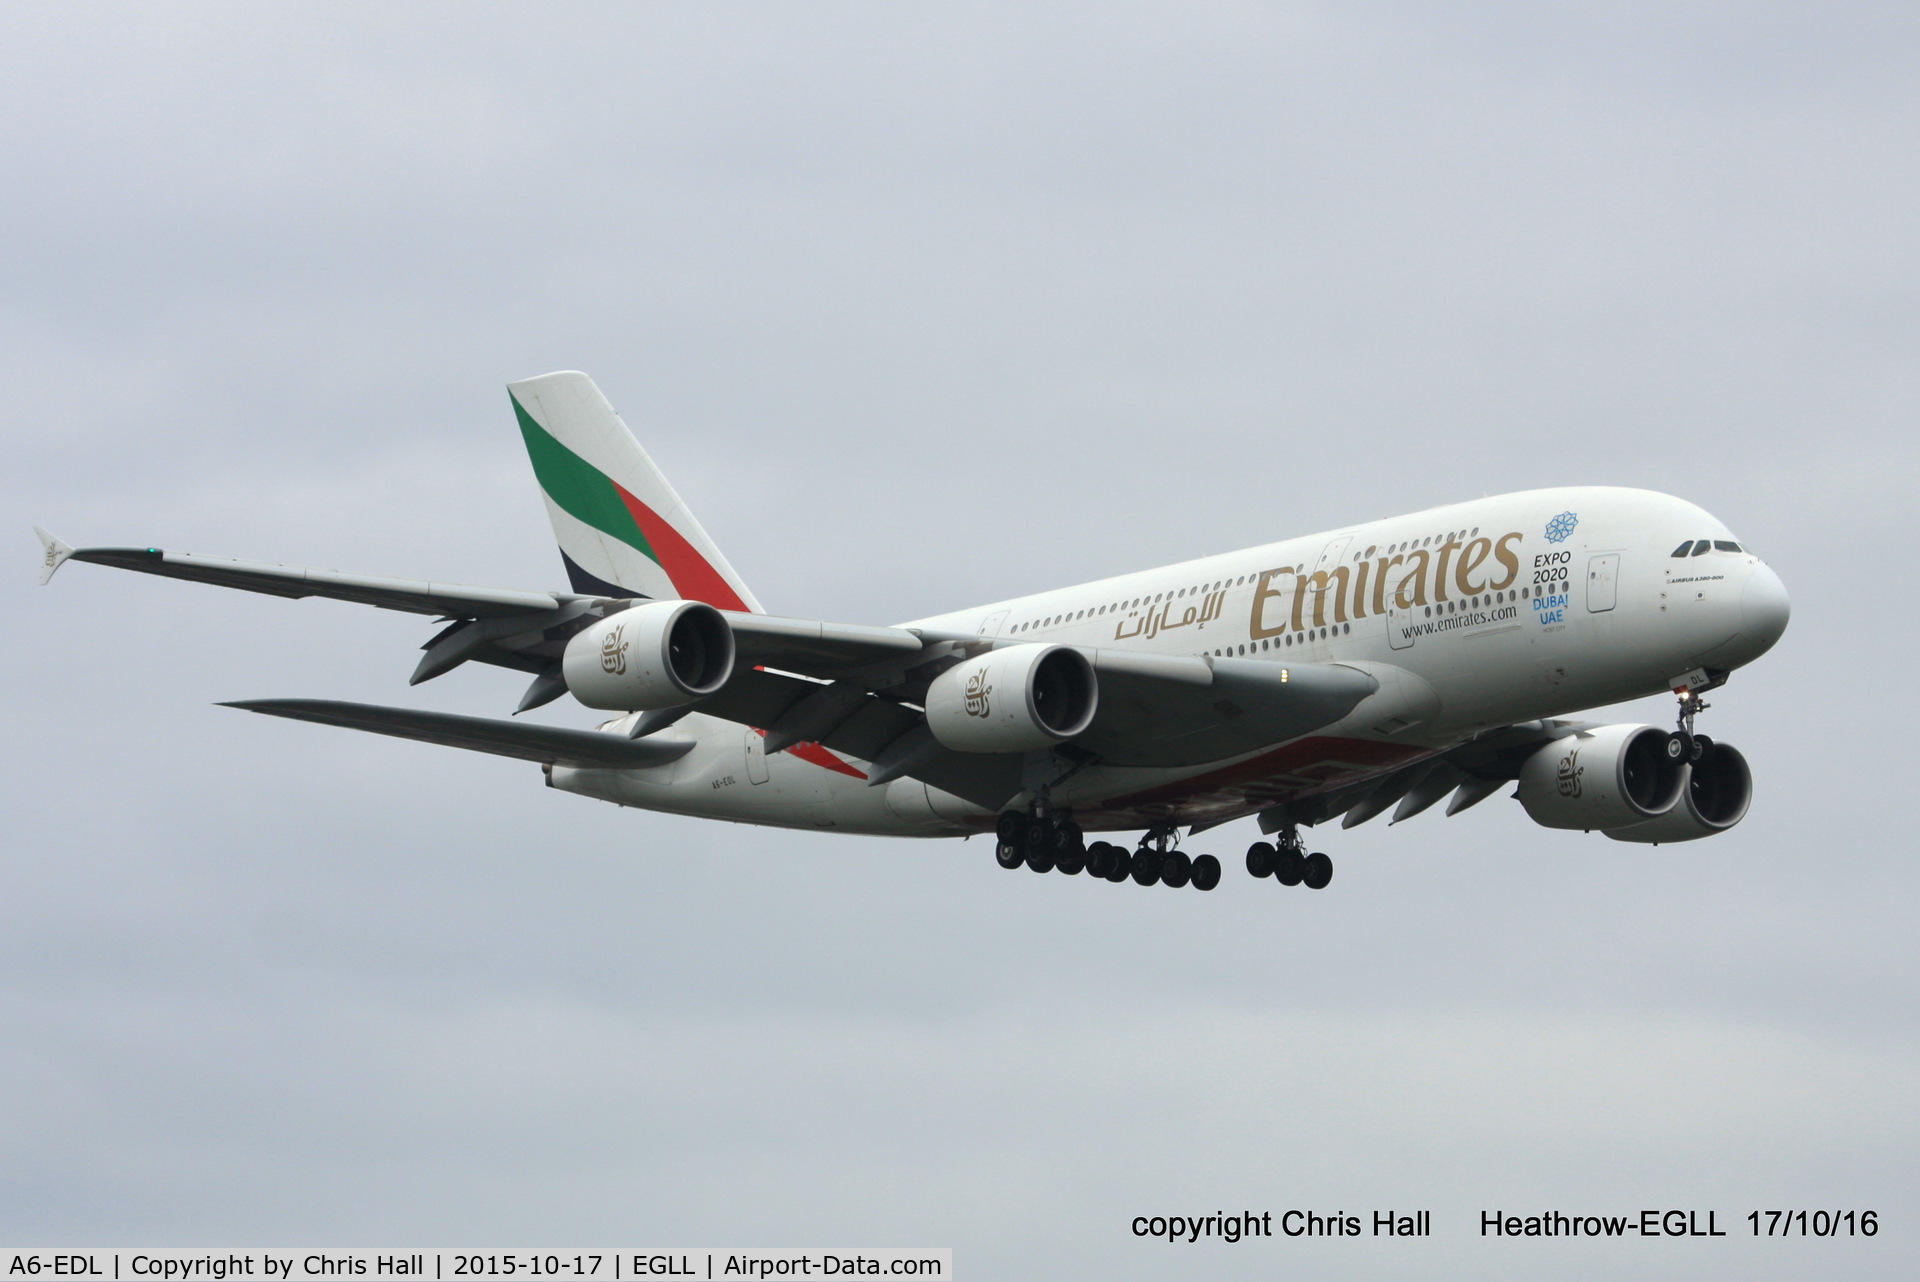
[[1478, 615]]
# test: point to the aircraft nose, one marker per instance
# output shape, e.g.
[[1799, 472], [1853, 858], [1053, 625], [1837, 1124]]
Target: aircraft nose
[[1764, 609]]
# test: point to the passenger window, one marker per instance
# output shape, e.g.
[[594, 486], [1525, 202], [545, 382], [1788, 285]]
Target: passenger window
[[1703, 547], [1726, 545], [1684, 548]]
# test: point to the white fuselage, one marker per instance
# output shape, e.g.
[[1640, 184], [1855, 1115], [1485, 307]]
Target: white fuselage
[[1472, 616]]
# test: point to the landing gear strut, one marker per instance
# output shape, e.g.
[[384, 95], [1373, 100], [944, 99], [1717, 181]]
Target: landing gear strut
[[1043, 841], [1683, 744], [1286, 860]]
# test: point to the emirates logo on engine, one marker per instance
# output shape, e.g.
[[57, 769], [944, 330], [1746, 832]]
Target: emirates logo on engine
[[1568, 775], [613, 651], [977, 692]]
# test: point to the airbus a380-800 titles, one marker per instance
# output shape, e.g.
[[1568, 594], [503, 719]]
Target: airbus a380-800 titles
[[1387, 664]]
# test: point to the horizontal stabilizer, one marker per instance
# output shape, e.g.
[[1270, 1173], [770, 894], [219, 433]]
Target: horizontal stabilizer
[[556, 745]]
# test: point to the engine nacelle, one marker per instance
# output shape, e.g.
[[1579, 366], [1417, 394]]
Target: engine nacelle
[[1607, 777], [657, 655], [1013, 699], [1718, 791]]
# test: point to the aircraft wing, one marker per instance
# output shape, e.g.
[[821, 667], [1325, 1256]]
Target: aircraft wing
[[1168, 710], [419, 596], [555, 745], [855, 688], [510, 627], [1155, 710]]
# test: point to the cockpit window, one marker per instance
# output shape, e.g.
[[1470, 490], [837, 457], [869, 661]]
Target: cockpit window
[[1703, 547], [1684, 548], [1726, 545]]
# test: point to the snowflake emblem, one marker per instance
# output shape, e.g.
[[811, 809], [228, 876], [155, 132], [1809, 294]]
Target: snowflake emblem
[[1560, 528]]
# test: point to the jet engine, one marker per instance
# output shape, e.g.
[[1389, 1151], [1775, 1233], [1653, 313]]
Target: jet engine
[[660, 654], [1607, 777], [1718, 790], [1013, 699]]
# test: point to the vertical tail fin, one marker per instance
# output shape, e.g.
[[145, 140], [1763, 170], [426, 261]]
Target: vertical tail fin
[[622, 529]]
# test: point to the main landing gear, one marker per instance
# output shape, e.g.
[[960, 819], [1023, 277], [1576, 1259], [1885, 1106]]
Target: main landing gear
[[1286, 860], [1051, 843]]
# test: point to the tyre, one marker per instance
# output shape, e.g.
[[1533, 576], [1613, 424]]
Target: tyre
[[1146, 866], [1039, 860], [1701, 747], [1176, 869], [1071, 838], [1206, 872], [1009, 855], [1318, 871], [1119, 864], [1070, 861], [1260, 858], [1010, 828], [1042, 839], [1097, 859], [1290, 868], [1679, 746]]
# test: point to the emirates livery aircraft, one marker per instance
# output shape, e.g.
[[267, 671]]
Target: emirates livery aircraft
[[1381, 665]]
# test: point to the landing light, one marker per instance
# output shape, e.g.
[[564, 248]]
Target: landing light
[[1283, 676]]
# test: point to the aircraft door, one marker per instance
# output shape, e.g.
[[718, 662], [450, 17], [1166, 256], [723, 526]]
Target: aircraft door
[[1330, 557], [991, 627], [1603, 586], [756, 756], [1399, 624]]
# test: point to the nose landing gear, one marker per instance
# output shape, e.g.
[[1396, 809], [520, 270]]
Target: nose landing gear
[[1683, 744]]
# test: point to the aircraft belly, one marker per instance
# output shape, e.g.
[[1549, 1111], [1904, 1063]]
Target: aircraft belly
[[1111, 798]]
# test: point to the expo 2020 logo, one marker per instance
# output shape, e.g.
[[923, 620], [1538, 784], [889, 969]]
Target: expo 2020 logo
[[1560, 528]]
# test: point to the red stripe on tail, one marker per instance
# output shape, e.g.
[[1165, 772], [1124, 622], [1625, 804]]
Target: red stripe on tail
[[693, 578]]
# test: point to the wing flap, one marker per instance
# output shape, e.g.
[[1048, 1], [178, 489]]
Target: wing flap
[[556, 745]]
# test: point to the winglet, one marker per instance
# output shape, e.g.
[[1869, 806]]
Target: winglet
[[56, 554]]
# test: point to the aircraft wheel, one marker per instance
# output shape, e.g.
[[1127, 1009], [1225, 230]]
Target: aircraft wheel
[[1679, 746], [1206, 872], [1290, 868], [1146, 866], [1176, 870], [1119, 864], [1070, 861], [1097, 859], [1010, 827], [1319, 871], [1009, 855], [1260, 858], [1070, 836], [1701, 747], [1039, 860]]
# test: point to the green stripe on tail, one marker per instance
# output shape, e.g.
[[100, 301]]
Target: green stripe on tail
[[581, 490]]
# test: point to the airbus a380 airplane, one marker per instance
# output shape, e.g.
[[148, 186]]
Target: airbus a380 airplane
[[1386, 664]]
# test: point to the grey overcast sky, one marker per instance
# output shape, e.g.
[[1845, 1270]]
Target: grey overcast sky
[[921, 306]]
